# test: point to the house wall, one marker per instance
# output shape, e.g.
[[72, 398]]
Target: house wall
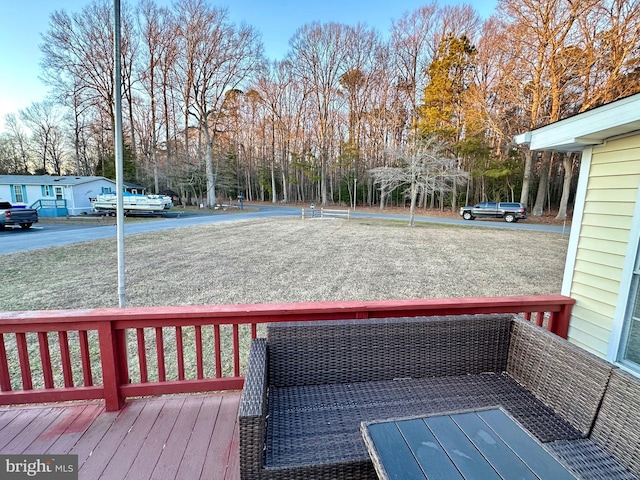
[[79, 199], [76, 195], [602, 247], [31, 193]]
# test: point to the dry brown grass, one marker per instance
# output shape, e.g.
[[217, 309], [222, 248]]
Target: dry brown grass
[[287, 260]]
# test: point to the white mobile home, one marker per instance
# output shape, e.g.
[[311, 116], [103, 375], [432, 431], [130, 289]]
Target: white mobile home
[[54, 196]]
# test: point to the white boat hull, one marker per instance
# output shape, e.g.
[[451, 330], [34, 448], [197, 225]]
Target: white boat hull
[[131, 202]]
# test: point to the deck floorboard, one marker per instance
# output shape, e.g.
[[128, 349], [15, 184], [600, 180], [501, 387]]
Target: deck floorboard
[[172, 437]]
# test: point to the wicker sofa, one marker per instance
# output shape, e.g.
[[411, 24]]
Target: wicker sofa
[[309, 385]]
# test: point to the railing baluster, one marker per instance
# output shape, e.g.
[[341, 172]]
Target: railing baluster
[[539, 318], [85, 356], [23, 357], [142, 355], [65, 359], [162, 373], [5, 378], [218, 350], [45, 359], [120, 337], [199, 354], [236, 350], [527, 315], [254, 330], [180, 353]]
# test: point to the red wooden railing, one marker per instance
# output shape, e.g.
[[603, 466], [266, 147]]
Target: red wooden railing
[[112, 354]]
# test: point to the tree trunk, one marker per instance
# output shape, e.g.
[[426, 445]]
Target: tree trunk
[[414, 196], [543, 185], [211, 181], [526, 179], [274, 197], [285, 193], [567, 164], [323, 178]]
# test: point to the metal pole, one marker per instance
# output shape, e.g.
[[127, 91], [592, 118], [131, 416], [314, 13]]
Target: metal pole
[[355, 192], [117, 95]]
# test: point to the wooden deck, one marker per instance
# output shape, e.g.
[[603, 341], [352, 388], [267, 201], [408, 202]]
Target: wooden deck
[[158, 438]]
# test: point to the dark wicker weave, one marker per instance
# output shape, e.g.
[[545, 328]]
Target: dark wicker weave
[[613, 449], [589, 461], [310, 385]]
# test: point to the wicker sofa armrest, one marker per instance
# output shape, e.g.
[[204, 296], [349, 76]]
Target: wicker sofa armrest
[[252, 416], [617, 427], [565, 377]]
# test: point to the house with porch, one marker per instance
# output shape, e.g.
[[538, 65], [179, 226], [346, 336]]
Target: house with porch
[[54, 196], [602, 272]]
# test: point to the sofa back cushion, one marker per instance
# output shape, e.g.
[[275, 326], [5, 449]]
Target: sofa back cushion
[[617, 428], [316, 353], [565, 377]]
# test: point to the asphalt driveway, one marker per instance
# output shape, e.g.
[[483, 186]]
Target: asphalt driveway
[[52, 235]]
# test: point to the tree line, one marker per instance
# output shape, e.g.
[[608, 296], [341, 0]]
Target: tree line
[[208, 116]]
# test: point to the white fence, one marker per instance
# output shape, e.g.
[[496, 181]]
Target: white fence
[[325, 213]]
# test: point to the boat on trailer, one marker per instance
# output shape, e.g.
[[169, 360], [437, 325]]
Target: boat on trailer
[[132, 202]]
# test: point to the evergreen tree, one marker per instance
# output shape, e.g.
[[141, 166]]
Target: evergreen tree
[[107, 167], [449, 74]]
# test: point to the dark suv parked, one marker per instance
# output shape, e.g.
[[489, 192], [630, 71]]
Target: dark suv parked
[[510, 211]]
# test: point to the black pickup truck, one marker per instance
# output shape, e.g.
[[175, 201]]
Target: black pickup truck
[[10, 215], [509, 211]]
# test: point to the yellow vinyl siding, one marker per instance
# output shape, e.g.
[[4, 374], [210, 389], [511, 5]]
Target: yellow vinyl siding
[[591, 325], [614, 183], [599, 246], [610, 208], [623, 168], [617, 236], [612, 190], [608, 194], [606, 288], [596, 293], [599, 258], [598, 270], [627, 160], [612, 221]]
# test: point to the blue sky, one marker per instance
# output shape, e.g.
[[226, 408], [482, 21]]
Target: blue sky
[[23, 21]]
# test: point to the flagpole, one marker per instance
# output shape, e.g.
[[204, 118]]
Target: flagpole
[[117, 94]]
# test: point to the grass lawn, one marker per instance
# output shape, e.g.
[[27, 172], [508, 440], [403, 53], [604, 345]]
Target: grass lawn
[[283, 260], [287, 260]]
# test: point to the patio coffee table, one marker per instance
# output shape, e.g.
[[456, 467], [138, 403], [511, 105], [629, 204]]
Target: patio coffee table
[[482, 444]]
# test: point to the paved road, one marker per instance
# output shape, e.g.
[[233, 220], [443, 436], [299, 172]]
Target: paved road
[[52, 235]]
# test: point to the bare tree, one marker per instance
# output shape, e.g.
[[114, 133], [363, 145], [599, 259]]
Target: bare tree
[[21, 144], [412, 50], [610, 35], [79, 48], [426, 166], [215, 56], [156, 28], [44, 121], [388, 179], [319, 57]]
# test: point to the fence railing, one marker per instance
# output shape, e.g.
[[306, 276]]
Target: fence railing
[[51, 207], [326, 213], [112, 354]]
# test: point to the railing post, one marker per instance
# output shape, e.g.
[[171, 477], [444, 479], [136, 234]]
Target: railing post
[[110, 357], [559, 321]]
